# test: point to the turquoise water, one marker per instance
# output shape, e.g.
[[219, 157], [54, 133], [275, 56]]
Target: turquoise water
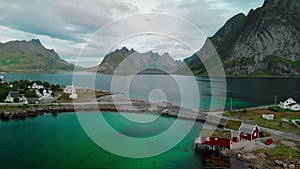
[[60, 142]]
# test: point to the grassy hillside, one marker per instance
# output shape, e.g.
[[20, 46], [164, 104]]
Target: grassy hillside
[[30, 56]]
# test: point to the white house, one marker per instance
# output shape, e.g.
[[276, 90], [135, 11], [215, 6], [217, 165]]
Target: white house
[[268, 116], [11, 95], [47, 94], [290, 104], [37, 85], [2, 79], [38, 93], [73, 96], [70, 89]]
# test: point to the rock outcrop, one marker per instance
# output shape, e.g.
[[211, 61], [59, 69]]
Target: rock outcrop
[[266, 42], [125, 61]]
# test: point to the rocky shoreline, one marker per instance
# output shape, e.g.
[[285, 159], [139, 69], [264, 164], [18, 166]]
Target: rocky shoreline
[[259, 160]]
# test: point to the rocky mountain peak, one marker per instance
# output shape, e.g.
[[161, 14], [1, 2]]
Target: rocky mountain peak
[[269, 3], [266, 42], [137, 61], [36, 41]]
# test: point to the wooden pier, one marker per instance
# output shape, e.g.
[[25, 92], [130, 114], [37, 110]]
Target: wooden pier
[[213, 140], [205, 147]]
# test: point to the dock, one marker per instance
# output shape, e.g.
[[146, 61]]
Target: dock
[[198, 146]]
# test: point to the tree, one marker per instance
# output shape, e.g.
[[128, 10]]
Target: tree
[[55, 88], [280, 123], [41, 90], [16, 100], [3, 94], [30, 93], [46, 85]]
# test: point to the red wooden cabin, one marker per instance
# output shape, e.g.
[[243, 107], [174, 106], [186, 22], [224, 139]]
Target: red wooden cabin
[[249, 131], [234, 127], [236, 136], [219, 138]]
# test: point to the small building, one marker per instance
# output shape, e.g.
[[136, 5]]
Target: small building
[[268, 116], [249, 131], [290, 104], [2, 79], [38, 93], [236, 136], [12, 95], [73, 96], [46, 93], [70, 89], [216, 138], [37, 85], [234, 127]]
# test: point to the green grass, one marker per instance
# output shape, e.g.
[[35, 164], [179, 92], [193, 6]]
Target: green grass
[[279, 109], [274, 124], [227, 114], [282, 151], [235, 125], [294, 64], [65, 98], [261, 73]]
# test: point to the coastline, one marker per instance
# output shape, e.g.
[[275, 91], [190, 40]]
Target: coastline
[[254, 158], [21, 112]]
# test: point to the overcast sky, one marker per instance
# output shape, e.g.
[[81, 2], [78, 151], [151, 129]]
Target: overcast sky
[[72, 25]]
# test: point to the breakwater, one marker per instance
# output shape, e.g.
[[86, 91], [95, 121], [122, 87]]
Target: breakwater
[[165, 109]]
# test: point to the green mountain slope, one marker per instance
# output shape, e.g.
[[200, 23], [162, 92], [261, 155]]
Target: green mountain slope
[[30, 56]]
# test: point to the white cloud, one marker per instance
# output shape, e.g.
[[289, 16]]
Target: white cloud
[[66, 25]]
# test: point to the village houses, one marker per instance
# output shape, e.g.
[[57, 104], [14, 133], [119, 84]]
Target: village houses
[[13, 96], [37, 85], [290, 104], [2, 79], [233, 132], [71, 89]]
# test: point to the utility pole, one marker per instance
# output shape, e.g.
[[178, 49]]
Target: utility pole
[[275, 100]]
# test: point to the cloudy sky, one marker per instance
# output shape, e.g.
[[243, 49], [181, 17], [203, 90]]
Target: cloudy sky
[[91, 28]]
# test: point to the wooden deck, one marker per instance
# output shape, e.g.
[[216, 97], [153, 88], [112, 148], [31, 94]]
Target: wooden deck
[[205, 147]]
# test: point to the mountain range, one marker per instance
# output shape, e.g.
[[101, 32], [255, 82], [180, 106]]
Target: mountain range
[[266, 42], [125, 61], [30, 56]]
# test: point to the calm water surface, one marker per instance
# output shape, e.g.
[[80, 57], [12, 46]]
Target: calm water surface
[[60, 142], [244, 92]]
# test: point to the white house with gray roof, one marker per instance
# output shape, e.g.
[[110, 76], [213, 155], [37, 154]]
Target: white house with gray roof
[[290, 104], [2, 79]]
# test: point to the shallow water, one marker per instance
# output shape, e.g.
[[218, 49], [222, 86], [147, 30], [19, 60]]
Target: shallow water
[[60, 142]]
